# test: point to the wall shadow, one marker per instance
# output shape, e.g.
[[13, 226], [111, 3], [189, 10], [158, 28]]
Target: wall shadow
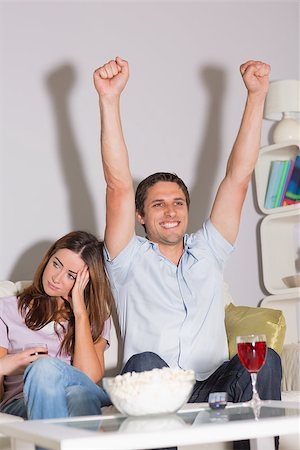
[[257, 233], [271, 132], [59, 83], [259, 260], [27, 263], [139, 229], [206, 168]]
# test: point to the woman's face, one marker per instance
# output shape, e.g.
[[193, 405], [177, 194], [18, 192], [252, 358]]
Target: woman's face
[[60, 273]]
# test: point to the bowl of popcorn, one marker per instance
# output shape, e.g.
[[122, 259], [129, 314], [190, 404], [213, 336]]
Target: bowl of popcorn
[[157, 391]]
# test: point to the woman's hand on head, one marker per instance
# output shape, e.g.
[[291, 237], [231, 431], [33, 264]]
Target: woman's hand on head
[[76, 297]]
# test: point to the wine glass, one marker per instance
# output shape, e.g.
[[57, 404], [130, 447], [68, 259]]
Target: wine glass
[[43, 348], [252, 351]]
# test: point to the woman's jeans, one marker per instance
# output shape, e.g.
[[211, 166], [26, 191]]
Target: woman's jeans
[[53, 389]]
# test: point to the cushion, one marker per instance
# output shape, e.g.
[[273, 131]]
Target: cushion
[[8, 288], [243, 320], [291, 367]]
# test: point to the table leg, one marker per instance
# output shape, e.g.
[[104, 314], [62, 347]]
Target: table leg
[[266, 443], [18, 444]]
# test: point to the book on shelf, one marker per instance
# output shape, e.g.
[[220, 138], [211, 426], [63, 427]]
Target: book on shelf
[[281, 184], [283, 201], [275, 176], [292, 193], [288, 177], [287, 202]]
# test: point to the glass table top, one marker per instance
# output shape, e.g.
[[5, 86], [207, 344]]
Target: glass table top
[[194, 424], [182, 419]]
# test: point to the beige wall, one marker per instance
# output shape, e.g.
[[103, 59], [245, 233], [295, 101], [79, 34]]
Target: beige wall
[[181, 111]]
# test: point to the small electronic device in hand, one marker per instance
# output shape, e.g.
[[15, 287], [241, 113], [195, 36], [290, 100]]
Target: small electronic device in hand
[[217, 400]]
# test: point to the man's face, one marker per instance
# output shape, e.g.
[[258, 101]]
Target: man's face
[[165, 213]]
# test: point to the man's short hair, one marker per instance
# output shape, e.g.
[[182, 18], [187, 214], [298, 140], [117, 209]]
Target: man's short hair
[[141, 190]]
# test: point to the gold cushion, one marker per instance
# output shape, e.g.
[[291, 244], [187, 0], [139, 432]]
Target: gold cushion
[[244, 320]]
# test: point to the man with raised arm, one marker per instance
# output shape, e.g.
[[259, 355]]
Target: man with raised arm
[[168, 286]]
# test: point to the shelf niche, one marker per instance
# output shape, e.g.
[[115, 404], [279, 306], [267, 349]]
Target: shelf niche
[[282, 151], [280, 249]]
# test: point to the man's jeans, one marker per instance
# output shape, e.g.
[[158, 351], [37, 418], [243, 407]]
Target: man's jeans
[[230, 377]]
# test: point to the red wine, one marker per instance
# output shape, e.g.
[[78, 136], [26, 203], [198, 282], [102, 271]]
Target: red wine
[[252, 355]]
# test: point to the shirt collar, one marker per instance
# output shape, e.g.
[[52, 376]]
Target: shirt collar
[[187, 248]]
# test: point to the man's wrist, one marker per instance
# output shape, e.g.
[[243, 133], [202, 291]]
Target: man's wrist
[[257, 97], [256, 101], [109, 99]]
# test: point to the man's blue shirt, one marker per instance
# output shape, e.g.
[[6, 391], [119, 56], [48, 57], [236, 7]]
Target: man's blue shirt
[[174, 311]]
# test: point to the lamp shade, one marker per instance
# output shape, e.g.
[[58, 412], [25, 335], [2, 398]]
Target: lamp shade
[[283, 103], [283, 96]]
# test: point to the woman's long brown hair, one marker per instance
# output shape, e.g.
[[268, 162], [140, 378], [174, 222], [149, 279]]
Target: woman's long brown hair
[[38, 308]]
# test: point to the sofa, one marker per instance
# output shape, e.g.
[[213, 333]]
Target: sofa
[[279, 323]]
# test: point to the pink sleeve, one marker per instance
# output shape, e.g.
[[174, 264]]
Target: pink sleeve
[[106, 332]]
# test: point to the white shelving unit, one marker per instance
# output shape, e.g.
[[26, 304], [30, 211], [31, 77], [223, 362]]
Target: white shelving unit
[[280, 235]]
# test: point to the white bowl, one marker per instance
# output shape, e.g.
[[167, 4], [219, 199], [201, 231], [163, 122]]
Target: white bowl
[[157, 391], [293, 281]]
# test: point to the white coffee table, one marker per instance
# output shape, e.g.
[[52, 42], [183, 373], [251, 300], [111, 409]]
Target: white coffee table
[[7, 418], [4, 418], [194, 424]]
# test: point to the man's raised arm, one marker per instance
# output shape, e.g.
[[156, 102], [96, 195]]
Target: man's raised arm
[[110, 80], [226, 211]]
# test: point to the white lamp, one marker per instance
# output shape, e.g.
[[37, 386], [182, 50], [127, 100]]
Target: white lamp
[[283, 104]]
